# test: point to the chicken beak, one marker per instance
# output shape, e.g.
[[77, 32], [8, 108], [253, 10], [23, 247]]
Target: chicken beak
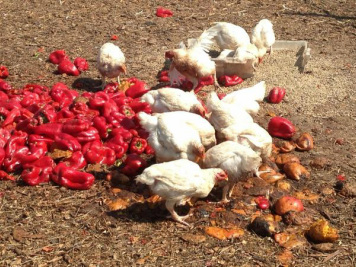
[[123, 69]]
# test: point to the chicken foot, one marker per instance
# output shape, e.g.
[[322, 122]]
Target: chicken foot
[[103, 82], [227, 191], [170, 207]]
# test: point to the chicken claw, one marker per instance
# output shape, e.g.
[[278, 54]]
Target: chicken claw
[[170, 207]]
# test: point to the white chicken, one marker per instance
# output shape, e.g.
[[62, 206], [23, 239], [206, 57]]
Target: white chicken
[[221, 115], [229, 36], [247, 54], [192, 62], [237, 160], [247, 98], [172, 139], [110, 62], [250, 135], [178, 181], [263, 37], [172, 99]]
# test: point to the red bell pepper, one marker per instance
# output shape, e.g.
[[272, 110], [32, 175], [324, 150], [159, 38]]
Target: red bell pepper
[[57, 56], [80, 108], [96, 152], [65, 141], [276, 95], [281, 127], [36, 88], [127, 111], [103, 128], [67, 67], [163, 12], [10, 104], [29, 98], [137, 107], [89, 135], [5, 86], [36, 151], [4, 137], [232, 80], [138, 145], [81, 64], [4, 72], [63, 95], [126, 134], [122, 100], [111, 88], [2, 155], [208, 80], [3, 96], [138, 89], [133, 165], [17, 139], [98, 100], [149, 150], [143, 133], [38, 172], [75, 126], [109, 107], [72, 178], [64, 114], [76, 161], [6, 176], [46, 114], [118, 144], [87, 94], [33, 138], [49, 129], [11, 117]]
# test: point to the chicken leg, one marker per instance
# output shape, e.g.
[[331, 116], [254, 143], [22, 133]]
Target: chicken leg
[[103, 82], [170, 207]]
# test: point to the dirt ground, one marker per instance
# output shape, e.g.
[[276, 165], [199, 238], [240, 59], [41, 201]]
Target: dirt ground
[[51, 226]]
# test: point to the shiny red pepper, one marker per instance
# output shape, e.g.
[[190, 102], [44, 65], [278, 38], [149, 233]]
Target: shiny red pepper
[[72, 178], [4, 86], [133, 165], [81, 64], [126, 134], [57, 56], [65, 113], [4, 137], [127, 111], [29, 98], [101, 125], [63, 95], [109, 107], [138, 88], [33, 138], [67, 67], [48, 129], [96, 152], [89, 135], [137, 107], [122, 100], [111, 88], [163, 12], [2, 155], [36, 151], [46, 114], [5, 176], [10, 104], [276, 95], [65, 141], [118, 144], [11, 117], [75, 126], [232, 80], [3, 96], [149, 150], [4, 72], [281, 127], [76, 161], [98, 100], [38, 172], [138, 145], [17, 139]]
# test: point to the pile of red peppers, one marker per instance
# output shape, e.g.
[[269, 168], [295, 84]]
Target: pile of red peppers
[[99, 127]]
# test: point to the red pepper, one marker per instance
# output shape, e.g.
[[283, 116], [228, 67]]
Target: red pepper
[[63, 95], [33, 138], [5, 86], [137, 107], [262, 202], [36, 88], [75, 126], [109, 107], [103, 128], [111, 88], [29, 99], [96, 152], [281, 127], [17, 139], [65, 113], [87, 94], [57, 56], [80, 108], [11, 117], [118, 144], [4, 137], [37, 150], [10, 104], [138, 89], [138, 145], [89, 135], [3, 96], [48, 129], [76, 161], [4, 72], [208, 80], [72, 178], [67, 67], [163, 13], [276, 95], [12, 163], [143, 133], [127, 111], [163, 76], [6, 176], [115, 118], [98, 100], [38, 172], [65, 141], [133, 165], [149, 150], [122, 100], [126, 134], [2, 155], [232, 80], [81, 64], [46, 114]]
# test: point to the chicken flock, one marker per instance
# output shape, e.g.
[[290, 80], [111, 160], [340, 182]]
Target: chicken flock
[[200, 145]]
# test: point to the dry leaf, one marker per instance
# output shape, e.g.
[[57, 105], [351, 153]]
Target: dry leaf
[[47, 249], [307, 195], [224, 234], [58, 154], [289, 241], [239, 211], [118, 204], [142, 260], [195, 239], [285, 257], [97, 167]]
